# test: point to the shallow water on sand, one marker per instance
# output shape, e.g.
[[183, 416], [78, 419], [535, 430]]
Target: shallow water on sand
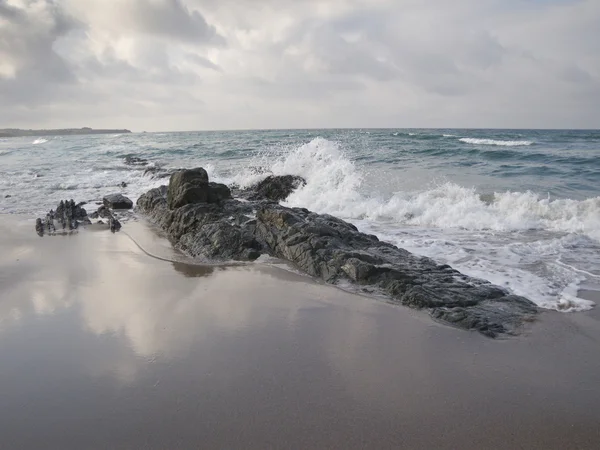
[[104, 346]]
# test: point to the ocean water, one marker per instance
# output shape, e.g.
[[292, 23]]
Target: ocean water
[[520, 208]]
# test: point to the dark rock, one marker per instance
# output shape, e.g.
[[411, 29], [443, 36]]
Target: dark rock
[[131, 160], [274, 188], [39, 227], [68, 215], [117, 201], [218, 192], [213, 231], [7, 196], [331, 249], [123, 184], [187, 187], [114, 224], [102, 212]]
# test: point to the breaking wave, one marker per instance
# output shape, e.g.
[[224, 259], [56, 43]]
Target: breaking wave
[[450, 214], [476, 141], [39, 141]]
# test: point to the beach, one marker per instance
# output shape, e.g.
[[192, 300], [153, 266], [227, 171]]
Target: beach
[[117, 341]]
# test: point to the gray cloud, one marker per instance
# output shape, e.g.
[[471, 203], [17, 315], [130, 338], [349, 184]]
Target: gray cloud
[[174, 64]]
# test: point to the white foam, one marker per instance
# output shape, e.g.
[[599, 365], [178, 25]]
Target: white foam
[[475, 141], [39, 141], [333, 186], [454, 215], [448, 135]]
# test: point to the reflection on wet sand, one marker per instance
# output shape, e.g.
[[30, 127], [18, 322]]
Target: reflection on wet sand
[[103, 346]]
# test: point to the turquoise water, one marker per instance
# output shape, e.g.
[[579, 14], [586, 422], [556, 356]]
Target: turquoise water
[[520, 208]]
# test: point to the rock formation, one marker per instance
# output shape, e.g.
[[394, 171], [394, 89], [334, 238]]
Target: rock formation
[[68, 215], [117, 201], [274, 188], [203, 220]]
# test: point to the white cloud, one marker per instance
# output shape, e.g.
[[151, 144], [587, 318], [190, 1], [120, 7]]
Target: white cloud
[[190, 64]]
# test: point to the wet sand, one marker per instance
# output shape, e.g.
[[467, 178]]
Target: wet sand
[[104, 346]]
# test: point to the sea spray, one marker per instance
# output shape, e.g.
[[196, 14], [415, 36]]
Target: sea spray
[[447, 211]]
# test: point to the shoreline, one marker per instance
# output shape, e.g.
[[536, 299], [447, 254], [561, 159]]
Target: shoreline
[[17, 132], [104, 346]]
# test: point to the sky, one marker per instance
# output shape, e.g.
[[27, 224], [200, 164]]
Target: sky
[[160, 65]]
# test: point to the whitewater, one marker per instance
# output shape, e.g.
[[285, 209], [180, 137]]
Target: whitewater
[[520, 208]]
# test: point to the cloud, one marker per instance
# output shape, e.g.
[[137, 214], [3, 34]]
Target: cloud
[[330, 63]]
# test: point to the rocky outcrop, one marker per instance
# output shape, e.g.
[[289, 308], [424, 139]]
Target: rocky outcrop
[[192, 186], [68, 216], [329, 248], [217, 230], [274, 188], [214, 226], [117, 201]]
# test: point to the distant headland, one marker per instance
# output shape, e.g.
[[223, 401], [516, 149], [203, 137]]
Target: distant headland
[[15, 132]]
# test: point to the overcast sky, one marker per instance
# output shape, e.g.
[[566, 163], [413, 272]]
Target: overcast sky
[[232, 64]]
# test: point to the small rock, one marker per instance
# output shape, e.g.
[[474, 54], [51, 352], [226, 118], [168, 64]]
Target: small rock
[[135, 161], [123, 184], [117, 201], [7, 196], [39, 227]]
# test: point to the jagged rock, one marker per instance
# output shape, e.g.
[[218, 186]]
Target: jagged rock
[[331, 249], [68, 214], [275, 188], [117, 201]]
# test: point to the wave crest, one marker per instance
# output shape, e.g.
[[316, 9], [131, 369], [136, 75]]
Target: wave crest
[[450, 223], [476, 141]]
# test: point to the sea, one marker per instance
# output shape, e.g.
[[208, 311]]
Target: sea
[[520, 208]]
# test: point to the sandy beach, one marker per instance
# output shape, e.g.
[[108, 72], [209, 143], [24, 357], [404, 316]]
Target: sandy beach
[[116, 341]]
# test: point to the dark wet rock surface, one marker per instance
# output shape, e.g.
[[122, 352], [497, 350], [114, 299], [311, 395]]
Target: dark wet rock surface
[[132, 160], [274, 188], [117, 201], [68, 216], [202, 220]]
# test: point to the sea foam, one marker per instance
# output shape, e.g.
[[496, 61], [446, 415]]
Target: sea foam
[[448, 214], [476, 141]]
